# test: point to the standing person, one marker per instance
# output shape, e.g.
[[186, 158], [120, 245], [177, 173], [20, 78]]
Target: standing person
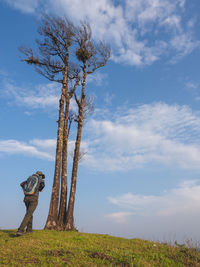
[[31, 187]]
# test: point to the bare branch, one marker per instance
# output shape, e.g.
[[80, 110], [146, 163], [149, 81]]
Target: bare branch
[[72, 91], [71, 118], [57, 36], [88, 52], [88, 106], [77, 100], [82, 153]]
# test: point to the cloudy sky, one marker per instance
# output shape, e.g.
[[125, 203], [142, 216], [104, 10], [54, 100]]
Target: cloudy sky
[[140, 176]]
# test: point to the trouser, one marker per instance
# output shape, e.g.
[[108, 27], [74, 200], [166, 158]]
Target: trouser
[[31, 204]]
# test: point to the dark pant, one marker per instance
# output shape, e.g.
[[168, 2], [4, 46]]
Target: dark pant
[[31, 204]]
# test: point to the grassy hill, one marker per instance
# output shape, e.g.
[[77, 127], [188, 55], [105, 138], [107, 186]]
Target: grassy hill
[[51, 248]]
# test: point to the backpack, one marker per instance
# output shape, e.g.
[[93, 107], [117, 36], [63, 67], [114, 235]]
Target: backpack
[[31, 185]]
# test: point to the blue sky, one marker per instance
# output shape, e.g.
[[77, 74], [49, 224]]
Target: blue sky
[[140, 176]]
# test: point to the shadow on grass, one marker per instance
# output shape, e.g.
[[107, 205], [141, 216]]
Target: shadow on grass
[[11, 233]]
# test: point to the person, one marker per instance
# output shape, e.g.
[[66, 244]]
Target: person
[[31, 202]]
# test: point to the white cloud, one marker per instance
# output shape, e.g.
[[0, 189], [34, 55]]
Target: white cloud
[[191, 23], [184, 44], [131, 27], [127, 27], [17, 147], [183, 200], [171, 215], [38, 148], [174, 22], [108, 99], [97, 78], [42, 96], [191, 85], [149, 11], [48, 143], [148, 134], [26, 6], [129, 139], [181, 3], [119, 217]]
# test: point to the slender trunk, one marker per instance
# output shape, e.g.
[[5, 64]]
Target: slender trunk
[[52, 218], [70, 210], [51, 222], [63, 197]]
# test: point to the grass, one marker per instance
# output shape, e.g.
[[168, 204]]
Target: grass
[[51, 248]]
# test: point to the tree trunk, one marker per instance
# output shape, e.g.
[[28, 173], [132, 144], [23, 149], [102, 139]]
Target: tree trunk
[[70, 210], [52, 219], [51, 222], [63, 197]]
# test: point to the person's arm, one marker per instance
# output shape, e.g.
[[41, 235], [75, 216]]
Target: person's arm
[[22, 184], [41, 186]]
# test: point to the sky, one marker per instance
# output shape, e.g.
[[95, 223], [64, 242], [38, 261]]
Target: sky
[[140, 176]]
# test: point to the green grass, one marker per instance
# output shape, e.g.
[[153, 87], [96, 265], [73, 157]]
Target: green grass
[[51, 248]]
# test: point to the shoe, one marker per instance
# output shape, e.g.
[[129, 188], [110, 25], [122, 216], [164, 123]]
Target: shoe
[[29, 231], [19, 233]]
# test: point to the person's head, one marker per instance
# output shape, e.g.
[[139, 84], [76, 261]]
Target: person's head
[[40, 174]]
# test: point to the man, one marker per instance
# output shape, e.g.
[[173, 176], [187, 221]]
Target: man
[[31, 201]]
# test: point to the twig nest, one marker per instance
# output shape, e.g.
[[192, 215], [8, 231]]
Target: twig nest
[[83, 54]]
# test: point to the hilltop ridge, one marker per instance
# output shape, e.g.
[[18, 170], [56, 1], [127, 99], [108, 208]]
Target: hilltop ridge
[[52, 248]]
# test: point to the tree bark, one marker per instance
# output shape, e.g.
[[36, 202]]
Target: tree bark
[[51, 222], [70, 210], [63, 197], [52, 219]]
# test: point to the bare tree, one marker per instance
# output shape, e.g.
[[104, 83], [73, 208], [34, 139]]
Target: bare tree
[[92, 56], [59, 39], [52, 62]]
